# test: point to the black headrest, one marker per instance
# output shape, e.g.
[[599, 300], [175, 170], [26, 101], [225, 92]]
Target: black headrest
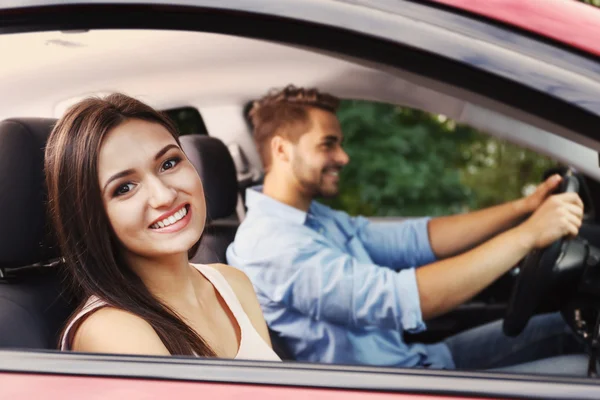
[[24, 238], [215, 166]]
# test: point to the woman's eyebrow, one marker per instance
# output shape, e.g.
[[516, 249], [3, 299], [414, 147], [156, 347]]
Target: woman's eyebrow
[[117, 176], [164, 150]]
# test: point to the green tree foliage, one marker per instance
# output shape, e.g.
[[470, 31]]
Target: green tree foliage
[[187, 120], [406, 162], [592, 2], [497, 171]]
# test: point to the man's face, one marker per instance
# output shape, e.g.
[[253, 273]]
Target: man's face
[[318, 156]]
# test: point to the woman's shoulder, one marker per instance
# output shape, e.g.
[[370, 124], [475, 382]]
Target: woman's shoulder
[[240, 284], [244, 291], [112, 330], [237, 279]]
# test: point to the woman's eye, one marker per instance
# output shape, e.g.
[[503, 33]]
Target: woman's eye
[[170, 163], [122, 189]]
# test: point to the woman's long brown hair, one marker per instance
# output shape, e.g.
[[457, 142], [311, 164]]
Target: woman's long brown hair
[[87, 241]]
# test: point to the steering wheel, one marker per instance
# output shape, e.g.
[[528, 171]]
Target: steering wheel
[[536, 275]]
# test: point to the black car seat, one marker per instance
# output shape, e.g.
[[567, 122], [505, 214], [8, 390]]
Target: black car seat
[[216, 168], [32, 307]]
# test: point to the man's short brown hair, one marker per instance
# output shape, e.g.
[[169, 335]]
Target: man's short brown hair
[[285, 112]]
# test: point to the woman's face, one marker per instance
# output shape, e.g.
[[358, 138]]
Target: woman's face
[[152, 194]]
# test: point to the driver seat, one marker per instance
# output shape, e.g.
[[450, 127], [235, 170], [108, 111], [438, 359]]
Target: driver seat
[[32, 307]]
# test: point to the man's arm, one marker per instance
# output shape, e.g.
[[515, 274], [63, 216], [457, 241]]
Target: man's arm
[[300, 270], [396, 245], [333, 286], [448, 283], [455, 234]]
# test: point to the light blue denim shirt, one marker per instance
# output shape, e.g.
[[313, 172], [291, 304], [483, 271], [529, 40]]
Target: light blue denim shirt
[[338, 289]]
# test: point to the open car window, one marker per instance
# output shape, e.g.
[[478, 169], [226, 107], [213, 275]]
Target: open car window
[[188, 120], [411, 163]]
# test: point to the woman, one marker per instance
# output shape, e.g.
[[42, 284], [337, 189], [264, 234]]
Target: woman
[[128, 206]]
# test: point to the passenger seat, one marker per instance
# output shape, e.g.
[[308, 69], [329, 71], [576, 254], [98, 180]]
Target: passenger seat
[[32, 306], [215, 166]]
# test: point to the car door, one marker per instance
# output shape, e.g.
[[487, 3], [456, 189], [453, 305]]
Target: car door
[[52, 375], [463, 56]]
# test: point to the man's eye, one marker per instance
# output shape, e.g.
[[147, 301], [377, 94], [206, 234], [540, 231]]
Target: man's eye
[[170, 163], [122, 189]]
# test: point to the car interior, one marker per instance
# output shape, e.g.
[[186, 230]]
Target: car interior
[[200, 72]]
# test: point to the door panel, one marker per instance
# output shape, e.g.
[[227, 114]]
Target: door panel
[[64, 387]]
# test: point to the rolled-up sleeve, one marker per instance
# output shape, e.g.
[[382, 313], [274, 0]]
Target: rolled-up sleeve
[[397, 245], [326, 284]]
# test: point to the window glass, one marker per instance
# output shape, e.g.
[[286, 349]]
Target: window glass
[[406, 162], [188, 120]]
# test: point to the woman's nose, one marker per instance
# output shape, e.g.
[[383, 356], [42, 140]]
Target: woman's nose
[[161, 194]]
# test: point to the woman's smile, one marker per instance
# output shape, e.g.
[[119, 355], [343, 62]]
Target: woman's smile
[[174, 221]]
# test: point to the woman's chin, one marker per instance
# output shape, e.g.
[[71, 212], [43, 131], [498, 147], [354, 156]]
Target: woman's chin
[[181, 246], [167, 248]]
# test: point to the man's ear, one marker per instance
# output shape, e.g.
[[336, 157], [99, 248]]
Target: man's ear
[[280, 149]]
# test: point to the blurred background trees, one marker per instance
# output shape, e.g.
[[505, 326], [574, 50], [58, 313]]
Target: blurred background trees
[[406, 162], [592, 2]]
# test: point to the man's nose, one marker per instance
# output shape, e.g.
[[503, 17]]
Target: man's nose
[[161, 194], [342, 157]]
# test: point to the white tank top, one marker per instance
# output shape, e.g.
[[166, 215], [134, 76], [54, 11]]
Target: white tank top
[[252, 345]]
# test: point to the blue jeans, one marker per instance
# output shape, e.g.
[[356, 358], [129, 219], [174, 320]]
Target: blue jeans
[[546, 346]]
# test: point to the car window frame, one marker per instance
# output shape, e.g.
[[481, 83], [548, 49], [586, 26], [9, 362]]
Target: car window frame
[[361, 44]]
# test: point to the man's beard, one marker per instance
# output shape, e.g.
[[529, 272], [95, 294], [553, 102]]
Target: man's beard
[[313, 185]]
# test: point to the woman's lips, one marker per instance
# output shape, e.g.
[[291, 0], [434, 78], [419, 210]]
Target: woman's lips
[[177, 225]]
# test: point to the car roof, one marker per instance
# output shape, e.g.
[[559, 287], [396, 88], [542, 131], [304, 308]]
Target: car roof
[[569, 22], [43, 58]]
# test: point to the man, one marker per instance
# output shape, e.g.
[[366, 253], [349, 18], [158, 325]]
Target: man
[[340, 289]]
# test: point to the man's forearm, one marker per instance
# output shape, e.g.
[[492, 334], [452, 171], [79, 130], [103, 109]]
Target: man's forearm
[[446, 284], [455, 234]]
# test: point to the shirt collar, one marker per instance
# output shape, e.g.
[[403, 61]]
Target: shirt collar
[[255, 199]]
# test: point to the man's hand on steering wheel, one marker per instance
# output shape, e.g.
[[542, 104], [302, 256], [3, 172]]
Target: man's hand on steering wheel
[[544, 234], [531, 202], [558, 216]]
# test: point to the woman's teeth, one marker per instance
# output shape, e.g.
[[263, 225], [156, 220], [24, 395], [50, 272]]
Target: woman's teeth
[[170, 220]]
